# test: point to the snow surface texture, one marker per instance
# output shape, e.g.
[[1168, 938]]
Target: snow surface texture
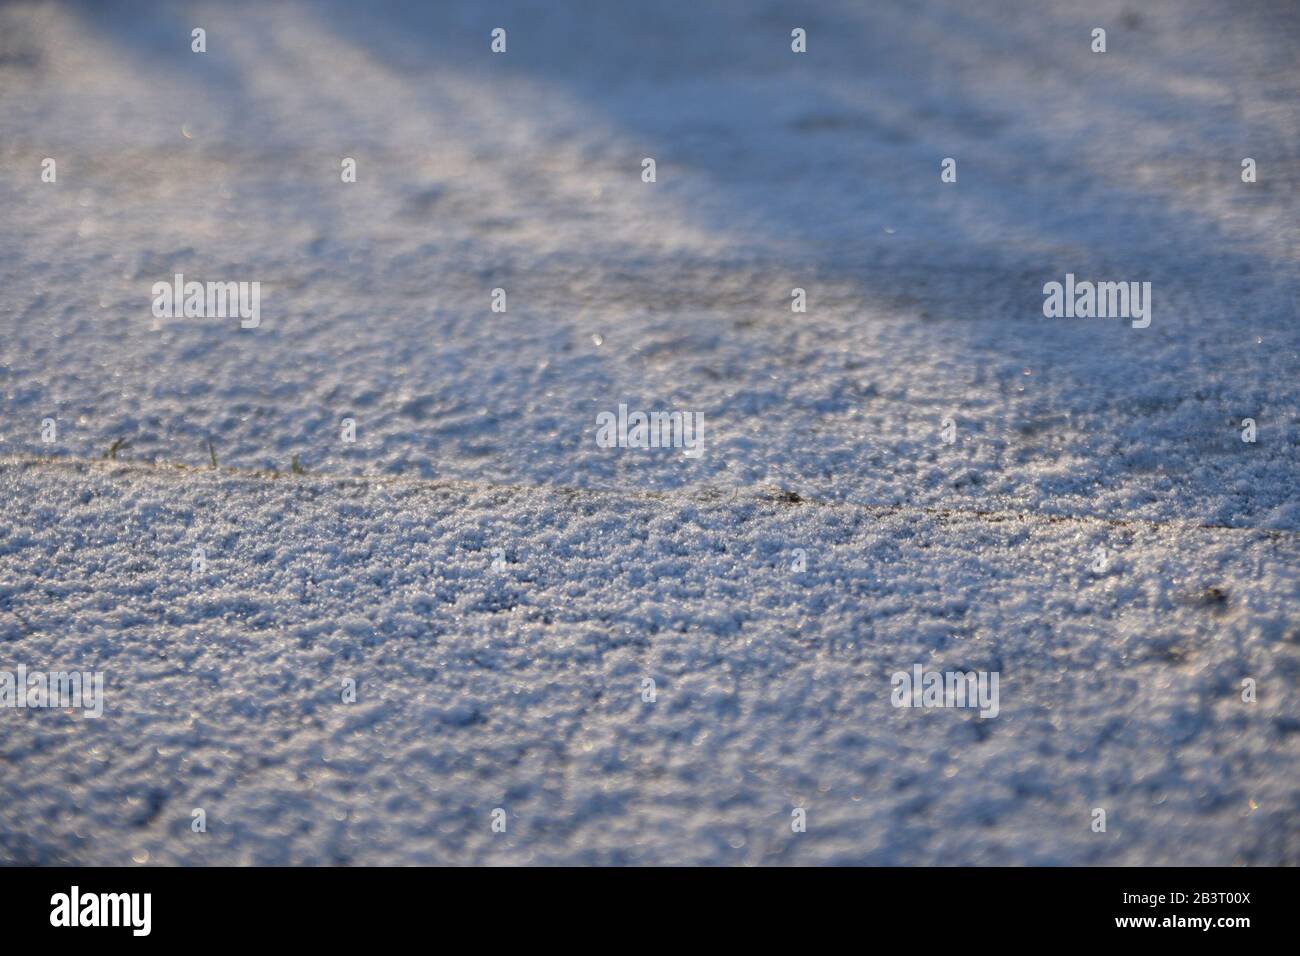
[[521, 688]]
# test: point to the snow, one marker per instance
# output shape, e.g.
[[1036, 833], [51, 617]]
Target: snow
[[521, 688]]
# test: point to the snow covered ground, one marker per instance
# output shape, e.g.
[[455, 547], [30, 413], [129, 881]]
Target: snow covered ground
[[520, 687]]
